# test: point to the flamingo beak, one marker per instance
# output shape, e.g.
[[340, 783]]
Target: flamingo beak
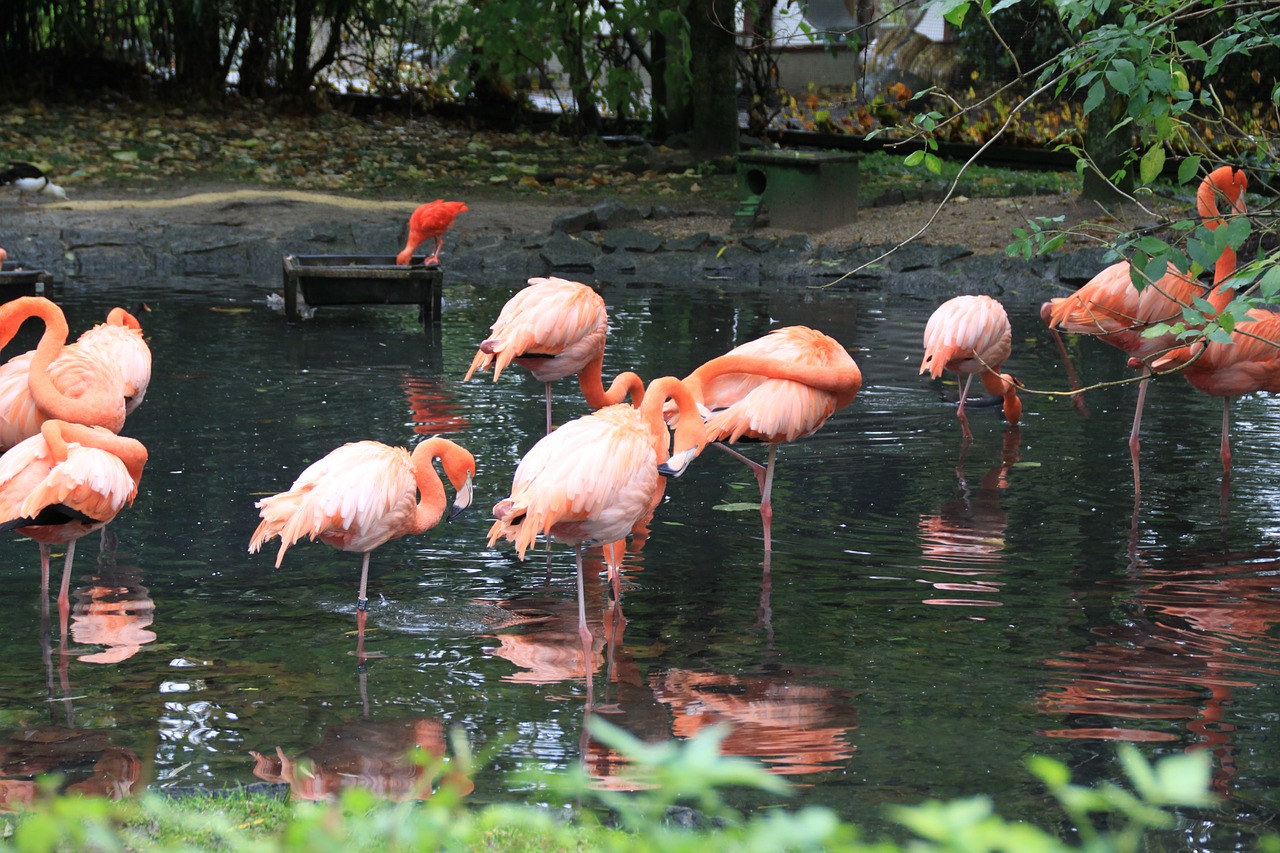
[[462, 499], [678, 463]]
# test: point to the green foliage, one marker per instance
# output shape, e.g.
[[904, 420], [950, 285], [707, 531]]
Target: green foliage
[[1107, 818]]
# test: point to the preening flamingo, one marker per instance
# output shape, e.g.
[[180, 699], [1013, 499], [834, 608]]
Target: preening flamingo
[[1110, 308], [591, 481], [63, 482], [364, 494], [555, 328], [971, 335], [781, 387], [78, 384], [429, 222]]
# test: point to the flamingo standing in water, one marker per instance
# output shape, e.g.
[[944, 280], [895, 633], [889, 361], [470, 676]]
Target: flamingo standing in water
[[113, 353], [64, 482], [971, 335], [778, 388], [593, 479], [1110, 308], [555, 328], [65, 383], [1249, 363], [361, 496], [429, 222]]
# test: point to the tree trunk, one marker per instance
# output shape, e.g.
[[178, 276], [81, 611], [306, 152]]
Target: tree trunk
[[714, 98], [1107, 147]]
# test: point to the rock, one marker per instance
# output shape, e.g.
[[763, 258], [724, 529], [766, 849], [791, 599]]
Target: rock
[[564, 253], [630, 240]]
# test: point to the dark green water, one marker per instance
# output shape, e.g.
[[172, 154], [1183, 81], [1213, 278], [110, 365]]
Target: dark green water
[[926, 622]]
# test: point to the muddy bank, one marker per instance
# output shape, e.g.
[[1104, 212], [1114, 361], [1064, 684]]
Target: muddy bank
[[243, 235]]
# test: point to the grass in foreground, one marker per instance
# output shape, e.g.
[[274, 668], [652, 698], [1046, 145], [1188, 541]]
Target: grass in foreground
[[574, 815]]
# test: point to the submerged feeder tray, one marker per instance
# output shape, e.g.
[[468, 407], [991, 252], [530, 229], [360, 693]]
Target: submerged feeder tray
[[319, 280], [16, 279]]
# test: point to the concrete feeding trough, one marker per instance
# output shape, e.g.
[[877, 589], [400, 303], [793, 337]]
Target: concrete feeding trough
[[801, 190], [317, 280], [17, 279]]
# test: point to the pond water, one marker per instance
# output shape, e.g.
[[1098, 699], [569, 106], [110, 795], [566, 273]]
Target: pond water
[[928, 618]]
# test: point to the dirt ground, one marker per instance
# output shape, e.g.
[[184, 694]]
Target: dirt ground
[[985, 225]]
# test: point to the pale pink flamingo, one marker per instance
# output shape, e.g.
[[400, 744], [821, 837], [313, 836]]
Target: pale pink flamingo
[[592, 480], [971, 335], [64, 482], [555, 328], [97, 381], [1111, 309], [781, 387], [429, 222], [4, 256], [361, 496]]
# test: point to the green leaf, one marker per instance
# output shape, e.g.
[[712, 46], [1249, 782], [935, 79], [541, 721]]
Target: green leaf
[[1097, 92], [1152, 164], [1122, 76], [741, 506], [1188, 169], [915, 158]]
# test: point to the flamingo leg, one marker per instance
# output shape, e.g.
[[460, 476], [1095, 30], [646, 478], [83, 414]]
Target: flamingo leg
[[1135, 442], [757, 469], [584, 633], [362, 617], [64, 591], [362, 598], [613, 554], [964, 419], [1077, 400], [435, 256], [548, 386], [1225, 451], [44, 571], [766, 502]]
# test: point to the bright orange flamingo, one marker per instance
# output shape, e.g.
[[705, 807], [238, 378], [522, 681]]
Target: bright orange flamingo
[[429, 222], [64, 482], [1249, 363], [1110, 308], [592, 480], [364, 494], [971, 335], [555, 328], [781, 387], [95, 382]]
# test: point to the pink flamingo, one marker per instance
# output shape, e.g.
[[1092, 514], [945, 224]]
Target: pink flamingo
[[592, 480], [555, 328], [781, 387], [361, 496], [1110, 308], [971, 335], [64, 482]]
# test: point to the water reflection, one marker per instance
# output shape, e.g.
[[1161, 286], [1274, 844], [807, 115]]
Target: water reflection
[[87, 761], [965, 536], [432, 407], [396, 758], [793, 726], [1195, 637], [113, 610]]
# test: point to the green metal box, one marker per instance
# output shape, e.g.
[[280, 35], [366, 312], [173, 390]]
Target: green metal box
[[361, 280], [800, 190]]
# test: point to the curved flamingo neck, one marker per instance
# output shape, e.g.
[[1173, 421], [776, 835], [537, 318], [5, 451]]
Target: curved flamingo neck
[[841, 380], [624, 385], [459, 466], [120, 317], [690, 433], [431, 496], [98, 407], [58, 434], [1232, 184]]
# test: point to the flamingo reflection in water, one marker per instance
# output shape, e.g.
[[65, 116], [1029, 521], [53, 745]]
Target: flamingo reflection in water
[[432, 408], [1197, 633], [965, 538], [786, 720], [394, 759], [113, 610], [85, 760]]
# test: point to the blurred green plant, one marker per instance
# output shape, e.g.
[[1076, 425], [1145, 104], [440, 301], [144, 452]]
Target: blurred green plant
[[1106, 818]]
